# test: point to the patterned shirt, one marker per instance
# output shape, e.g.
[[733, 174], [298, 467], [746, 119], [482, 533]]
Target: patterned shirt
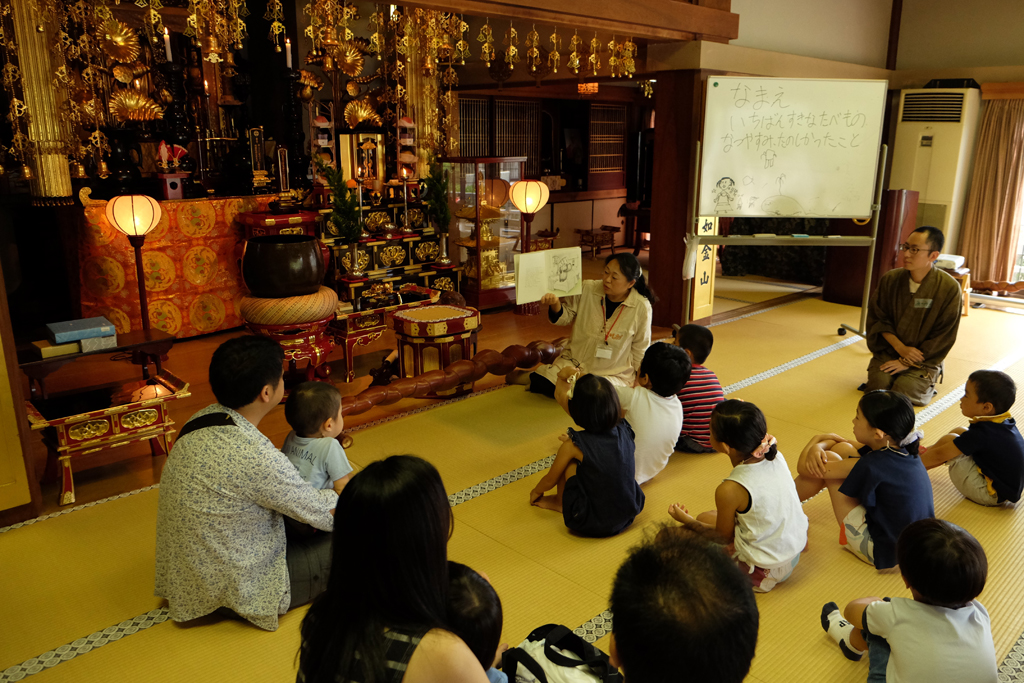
[[699, 397], [220, 533]]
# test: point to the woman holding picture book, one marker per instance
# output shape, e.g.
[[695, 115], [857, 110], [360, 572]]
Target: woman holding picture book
[[611, 326]]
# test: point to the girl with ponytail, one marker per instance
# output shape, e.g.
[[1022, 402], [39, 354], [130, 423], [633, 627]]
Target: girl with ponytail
[[758, 511], [611, 326], [877, 483]]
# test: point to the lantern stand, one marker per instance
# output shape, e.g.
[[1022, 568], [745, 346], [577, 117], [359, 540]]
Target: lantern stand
[[135, 216], [529, 196]]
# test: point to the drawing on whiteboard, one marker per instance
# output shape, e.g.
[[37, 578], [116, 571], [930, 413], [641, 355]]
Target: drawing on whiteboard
[[750, 203], [565, 272], [780, 204], [724, 194], [747, 180]]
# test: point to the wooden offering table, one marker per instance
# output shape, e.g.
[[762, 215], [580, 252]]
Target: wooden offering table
[[87, 421], [433, 338], [360, 328]]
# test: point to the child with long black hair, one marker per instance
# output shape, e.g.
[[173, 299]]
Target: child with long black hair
[[877, 483], [758, 512], [593, 472]]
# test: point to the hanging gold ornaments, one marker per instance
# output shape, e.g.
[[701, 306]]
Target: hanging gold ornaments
[[462, 52], [532, 43], [486, 37], [627, 58], [574, 55], [511, 43], [613, 58], [595, 55], [555, 56], [275, 15]]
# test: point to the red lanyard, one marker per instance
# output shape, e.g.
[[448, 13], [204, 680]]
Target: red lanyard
[[617, 316]]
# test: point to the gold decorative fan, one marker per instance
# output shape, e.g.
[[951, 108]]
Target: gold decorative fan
[[360, 111], [350, 60], [311, 79], [131, 105], [118, 40]]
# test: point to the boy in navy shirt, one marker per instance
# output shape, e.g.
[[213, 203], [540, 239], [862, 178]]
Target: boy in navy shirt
[[986, 460]]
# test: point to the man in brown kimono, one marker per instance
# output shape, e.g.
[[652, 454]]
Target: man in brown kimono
[[912, 321]]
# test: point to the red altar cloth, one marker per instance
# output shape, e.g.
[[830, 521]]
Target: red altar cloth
[[193, 284]]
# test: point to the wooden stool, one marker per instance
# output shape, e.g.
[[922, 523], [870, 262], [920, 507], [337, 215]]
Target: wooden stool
[[597, 238], [963, 276]]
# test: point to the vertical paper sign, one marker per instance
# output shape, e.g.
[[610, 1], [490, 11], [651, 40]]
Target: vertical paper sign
[[703, 298]]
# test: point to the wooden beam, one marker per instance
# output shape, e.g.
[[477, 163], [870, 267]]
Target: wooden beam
[[663, 20], [1002, 91]]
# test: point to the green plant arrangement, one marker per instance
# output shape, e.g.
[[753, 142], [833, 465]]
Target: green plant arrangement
[[345, 218], [436, 186]]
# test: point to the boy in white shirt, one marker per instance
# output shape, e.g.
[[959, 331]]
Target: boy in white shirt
[[652, 409], [943, 634], [313, 411]]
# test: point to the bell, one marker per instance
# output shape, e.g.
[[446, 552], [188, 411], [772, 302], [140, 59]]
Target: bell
[[104, 172], [306, 93], [26, 172], [78, 171]]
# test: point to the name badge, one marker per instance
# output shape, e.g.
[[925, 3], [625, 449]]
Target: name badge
[[604, 352], [922, 303]]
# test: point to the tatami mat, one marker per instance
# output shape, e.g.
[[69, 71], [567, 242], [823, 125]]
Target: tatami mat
[[67, 577], [753, 290], [76, 574]]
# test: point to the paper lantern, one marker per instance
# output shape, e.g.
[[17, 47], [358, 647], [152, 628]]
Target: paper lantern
[[133, 214], [529, 196]]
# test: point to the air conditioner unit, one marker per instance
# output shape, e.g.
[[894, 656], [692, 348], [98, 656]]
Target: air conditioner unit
[[934, 154]]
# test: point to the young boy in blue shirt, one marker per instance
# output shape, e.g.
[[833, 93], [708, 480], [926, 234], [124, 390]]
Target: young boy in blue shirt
[[943, 633], [313, 411], [986, 460]]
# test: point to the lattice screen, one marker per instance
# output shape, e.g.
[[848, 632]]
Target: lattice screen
[[517, 132], [474, 127], [607, 138]]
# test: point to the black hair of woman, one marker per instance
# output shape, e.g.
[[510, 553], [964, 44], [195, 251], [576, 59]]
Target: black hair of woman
[[594, 405], [741, 425], [634, 272], [389, 569], [893, 414]]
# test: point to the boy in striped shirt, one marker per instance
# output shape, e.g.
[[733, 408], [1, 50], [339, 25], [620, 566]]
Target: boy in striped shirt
[[701, 393]]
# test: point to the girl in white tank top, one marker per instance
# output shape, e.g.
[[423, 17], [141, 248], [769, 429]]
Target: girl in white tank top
[[759, 513]]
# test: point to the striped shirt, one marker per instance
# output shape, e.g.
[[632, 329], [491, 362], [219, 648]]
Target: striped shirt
[[699, 397]]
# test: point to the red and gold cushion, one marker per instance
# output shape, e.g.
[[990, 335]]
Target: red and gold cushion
[[289, 310], [436, 320]]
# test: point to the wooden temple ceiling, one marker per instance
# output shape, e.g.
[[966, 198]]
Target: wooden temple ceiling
[[653, 20]]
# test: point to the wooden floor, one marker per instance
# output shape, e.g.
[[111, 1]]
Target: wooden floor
[[128, 468]]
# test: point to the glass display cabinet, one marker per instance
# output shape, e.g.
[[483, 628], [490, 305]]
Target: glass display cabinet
[[485, 226]]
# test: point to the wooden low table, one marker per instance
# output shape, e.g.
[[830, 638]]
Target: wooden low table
[[144, 346], [595, 238]]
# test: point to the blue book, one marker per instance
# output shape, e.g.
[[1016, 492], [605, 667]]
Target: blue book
[[77, 330]]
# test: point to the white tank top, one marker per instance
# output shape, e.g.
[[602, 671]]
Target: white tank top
[[773, 530]]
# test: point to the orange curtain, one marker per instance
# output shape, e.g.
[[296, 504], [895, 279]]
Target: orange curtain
[[991, 225]]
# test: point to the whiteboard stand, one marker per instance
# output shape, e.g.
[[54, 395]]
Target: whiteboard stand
[[751, 241]]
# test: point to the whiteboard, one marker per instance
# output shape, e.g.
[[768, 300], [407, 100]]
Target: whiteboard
[[790, 146]]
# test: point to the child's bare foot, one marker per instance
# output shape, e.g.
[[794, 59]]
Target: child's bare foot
[[549, 503], [346, 440]]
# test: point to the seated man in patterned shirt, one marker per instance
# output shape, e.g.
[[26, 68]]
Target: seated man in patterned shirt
[[220, 535]]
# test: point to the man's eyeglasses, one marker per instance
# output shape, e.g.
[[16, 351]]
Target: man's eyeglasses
[[912, 251]]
